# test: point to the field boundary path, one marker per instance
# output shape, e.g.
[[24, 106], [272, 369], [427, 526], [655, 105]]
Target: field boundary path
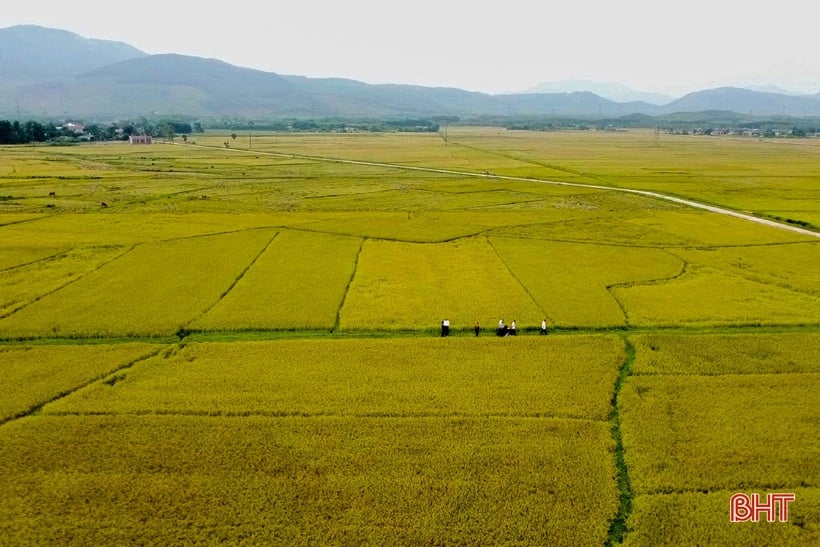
[[487, 175]]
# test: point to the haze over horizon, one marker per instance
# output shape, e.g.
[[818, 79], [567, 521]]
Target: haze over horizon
[[512, 47]]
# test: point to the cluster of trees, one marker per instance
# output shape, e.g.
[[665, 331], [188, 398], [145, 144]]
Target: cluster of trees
[[16, 132], [327, 125]]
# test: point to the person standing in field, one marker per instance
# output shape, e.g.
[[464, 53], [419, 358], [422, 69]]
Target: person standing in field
[[543, 327], [476, 328], [500, 330], [512, 328], [445, 327]]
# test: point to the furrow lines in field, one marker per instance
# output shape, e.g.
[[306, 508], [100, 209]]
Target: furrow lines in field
[[72, 281], [658, 281], [219, 233], [13, 222], [508, 203], [60, 254], [35, 409], [764, 280], [530, 161], [347, 288], [392, 239], [517, 280], [620, 304], [237, 279], [578, 241]]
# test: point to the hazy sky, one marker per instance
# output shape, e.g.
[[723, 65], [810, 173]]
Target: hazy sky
[[491, 46]]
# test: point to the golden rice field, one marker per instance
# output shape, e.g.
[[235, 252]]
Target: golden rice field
[[296, 481], [36, 375], [706, 416], [242, 346], [271, 294], [563, 377]]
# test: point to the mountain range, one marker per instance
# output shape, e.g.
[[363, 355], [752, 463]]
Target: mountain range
[[613, 91], [56, 73]]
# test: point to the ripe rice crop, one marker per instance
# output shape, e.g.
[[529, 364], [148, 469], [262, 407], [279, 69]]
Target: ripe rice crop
[[726, 353], [411, 286], [26, 283], [556, 376], [569, 281], [416, 227], [747, 175], [593, 227], [337, 439], [32, 375], [793, 266], [731, 432], [402, 199], [129, 228], [14, 257], [14, 218], [298, 282], [153, 290], [703, 229], [696, 518], [306, 481], [705, 296]]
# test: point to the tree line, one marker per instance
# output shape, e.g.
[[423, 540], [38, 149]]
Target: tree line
[[17, 132], [327, 125]]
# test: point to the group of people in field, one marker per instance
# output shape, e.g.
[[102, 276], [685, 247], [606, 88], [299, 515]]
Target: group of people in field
[[502, 330]]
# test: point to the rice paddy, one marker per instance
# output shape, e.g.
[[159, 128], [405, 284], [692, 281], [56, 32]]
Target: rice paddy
[[243, 346]]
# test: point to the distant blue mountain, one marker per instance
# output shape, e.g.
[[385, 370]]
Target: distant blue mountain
[[746, 101], [610, 90], [31, 52], [49, 72]]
